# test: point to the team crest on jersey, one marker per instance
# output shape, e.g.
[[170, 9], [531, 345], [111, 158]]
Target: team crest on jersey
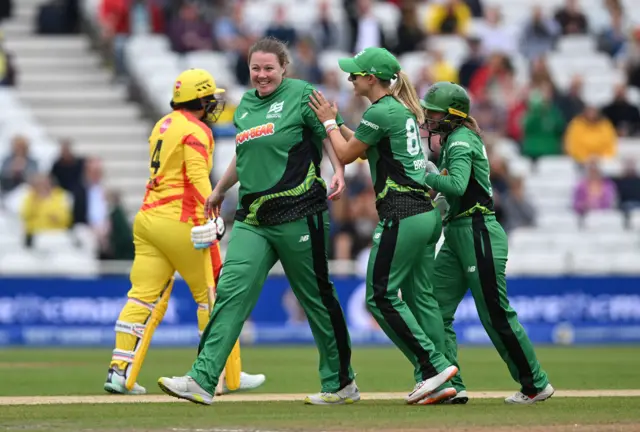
[[165, 125], [275, 110], [255, 132]]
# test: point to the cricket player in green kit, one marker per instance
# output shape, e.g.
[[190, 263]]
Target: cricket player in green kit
[[405, 239], [282, 215], [475, 249]]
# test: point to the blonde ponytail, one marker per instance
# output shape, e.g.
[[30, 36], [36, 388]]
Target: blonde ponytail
[[404, 92]]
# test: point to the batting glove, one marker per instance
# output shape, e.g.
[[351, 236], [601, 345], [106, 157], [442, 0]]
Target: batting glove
[[441, 202], [204, 236]]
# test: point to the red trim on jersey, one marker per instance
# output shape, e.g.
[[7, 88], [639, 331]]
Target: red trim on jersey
[[195, 144], [196, 121], [190, 199], [161, 201]]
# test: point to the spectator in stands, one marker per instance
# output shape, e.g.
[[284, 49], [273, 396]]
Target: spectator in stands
[[494, 80], [120, 19], [68, 168], [614, 37], [518, 211], [624, 115], [332, 90], [571, 19], [496, 37], [632, 55], [539, 35], [230, 29], [410, 36], [471, 63], [628, 186], [570, 102], [476, 8], [448, 17], [90, 206], [325, 30], [120, 244], [539, 74], [499, 176], [305, 61], [189, 32], [7, 66], [45, 208], [543, 125], [490, 116], [594, 192], [18, 167], [280, 27], [368, 30], [441, 69], [6, 8], [590, 135]]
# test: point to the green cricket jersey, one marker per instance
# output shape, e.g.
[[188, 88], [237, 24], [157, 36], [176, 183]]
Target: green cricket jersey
[[464, 174], [278, 155], [396, 159]]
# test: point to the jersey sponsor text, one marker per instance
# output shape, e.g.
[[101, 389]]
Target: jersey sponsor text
[[371, 125], [255, 132]]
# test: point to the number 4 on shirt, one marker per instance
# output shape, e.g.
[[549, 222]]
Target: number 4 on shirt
[[155, 157]]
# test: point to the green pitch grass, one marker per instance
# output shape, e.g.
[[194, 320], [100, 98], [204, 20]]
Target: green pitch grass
[[31, 372]]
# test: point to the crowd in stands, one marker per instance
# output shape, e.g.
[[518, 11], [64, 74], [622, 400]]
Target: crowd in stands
[[540, 116]]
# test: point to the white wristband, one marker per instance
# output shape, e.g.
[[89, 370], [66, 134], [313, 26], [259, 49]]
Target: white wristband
[[329, 123]]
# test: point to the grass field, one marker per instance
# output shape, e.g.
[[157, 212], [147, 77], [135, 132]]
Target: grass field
[[27, 374]]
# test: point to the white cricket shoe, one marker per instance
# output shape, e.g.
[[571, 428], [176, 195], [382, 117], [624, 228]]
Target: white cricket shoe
[[185, 387], [428, 386], [116, 384], [247, 382], [348, 395], [438, 397], [522, 399]]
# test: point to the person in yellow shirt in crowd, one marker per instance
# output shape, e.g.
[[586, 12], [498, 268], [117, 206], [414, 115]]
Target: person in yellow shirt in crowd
[[181, 148], [45, 208], [590, 135], [450, 17], [442, 69]]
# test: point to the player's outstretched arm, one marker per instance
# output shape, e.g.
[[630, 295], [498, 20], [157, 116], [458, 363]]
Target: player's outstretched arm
[[455, 182], [214, 201]]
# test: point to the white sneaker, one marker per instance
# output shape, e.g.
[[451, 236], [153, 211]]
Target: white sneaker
[[247, 382], [185, 387], [348, 395], [116, 384], [522, 399], [426, 387], [438, 397]]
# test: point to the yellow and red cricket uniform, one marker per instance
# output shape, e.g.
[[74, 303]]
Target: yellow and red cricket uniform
[[181, 157]]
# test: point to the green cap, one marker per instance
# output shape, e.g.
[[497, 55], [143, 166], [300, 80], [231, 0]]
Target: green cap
[[374, 61]]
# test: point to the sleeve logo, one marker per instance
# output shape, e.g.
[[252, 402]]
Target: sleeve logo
[[459, 144], [255, 132], [371, 125]]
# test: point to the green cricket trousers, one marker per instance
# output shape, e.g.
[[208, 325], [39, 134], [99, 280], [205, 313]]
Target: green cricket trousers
[[402, 258], [301, 246], [474, 255]]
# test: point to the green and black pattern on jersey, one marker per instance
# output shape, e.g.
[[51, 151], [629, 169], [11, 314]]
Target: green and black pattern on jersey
[[464, 175], [396, 159], [278, 155]]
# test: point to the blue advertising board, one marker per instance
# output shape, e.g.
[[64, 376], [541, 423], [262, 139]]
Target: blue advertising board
[[82, 312]]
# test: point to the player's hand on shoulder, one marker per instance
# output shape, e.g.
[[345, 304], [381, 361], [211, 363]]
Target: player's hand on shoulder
[[206, 235]]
